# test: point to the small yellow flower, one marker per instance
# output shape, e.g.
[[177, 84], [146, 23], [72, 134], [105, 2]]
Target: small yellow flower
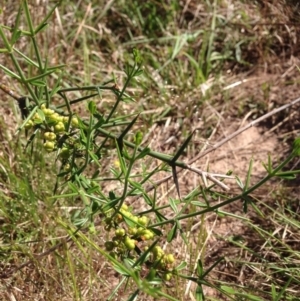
[[50, 136], [29, 125], [49, 146], [59, 127]]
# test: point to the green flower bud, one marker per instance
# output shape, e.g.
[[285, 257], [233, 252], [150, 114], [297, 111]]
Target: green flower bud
[[167, 276], [94, 184], [55, 118], [126, 213], [47, 111], [124, 207], [169, 258], [65, 119], [67, 167], [74, 122], [116, 241], [157, 252], [147, 235], [129, 243], [37, 118], [49, 146], [120, 232], [49, 136], [132, 231], [59, 127], [140, 231], [65, 153], [143, 220], [135, 218], [29, 125]]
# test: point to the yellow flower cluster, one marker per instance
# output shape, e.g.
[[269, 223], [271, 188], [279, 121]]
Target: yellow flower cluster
[[127, 239], [54, 124]]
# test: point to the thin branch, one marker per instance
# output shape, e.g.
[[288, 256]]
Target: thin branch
[[211, 176]]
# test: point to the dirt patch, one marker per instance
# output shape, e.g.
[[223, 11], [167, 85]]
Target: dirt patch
[[238, 152]]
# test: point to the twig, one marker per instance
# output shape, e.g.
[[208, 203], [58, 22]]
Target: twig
[[211, 176]]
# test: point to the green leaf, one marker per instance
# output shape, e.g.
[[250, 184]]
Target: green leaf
[[296, 147], [173, 204], [212, 267], [248, 176], [138, 138], [137, 186], [40, 27], [16, 36], [287, 177], [41, 114], [27, 59], [134, 295], [147, 199], [92, 107], [181, 266], [121, 269], [249, 297], [151, 274], [5, 40], [95, 158], [246, 200], [47, 17], [16, 32], [156, 231], [112, 195], [110, 205], [137, 57], [143, 153], [199, 293], [129, 221], [10, 73], [138, 72], [172, 233], [239, 182], [38, 83], [228, 289], [200, 268], [100, 121], [73, 187], [145, 255], [273, 291], [126, 130], [283, 290]]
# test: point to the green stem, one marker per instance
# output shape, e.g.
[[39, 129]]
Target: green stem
[[238, 197]]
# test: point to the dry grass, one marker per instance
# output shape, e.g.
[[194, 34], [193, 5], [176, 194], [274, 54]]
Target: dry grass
[[254, 69]]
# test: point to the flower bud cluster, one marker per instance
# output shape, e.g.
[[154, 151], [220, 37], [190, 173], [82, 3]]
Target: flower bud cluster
[[132, 234], [163, 262], [55, 125]]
